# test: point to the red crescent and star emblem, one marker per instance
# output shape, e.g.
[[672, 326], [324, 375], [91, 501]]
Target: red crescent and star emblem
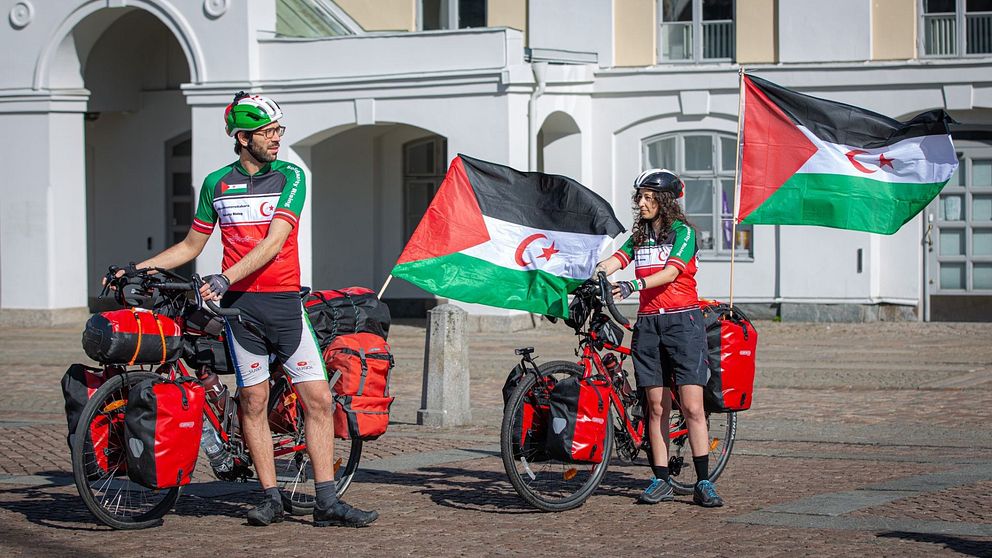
[[266, 209], [546, 253], [883, 161]]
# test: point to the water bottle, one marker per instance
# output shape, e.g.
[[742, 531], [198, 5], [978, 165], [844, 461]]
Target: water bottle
[[618, 374], [219, 456], [216, 391]]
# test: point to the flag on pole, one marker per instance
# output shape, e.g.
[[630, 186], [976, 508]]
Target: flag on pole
[[504, 238], [809, 161]]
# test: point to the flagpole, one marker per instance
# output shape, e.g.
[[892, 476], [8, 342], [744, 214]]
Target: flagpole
[[737, 184], [384, 285]]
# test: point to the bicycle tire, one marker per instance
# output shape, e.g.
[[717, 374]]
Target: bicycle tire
[[551, 473], [722, 432], [108, 494], [294, 472]]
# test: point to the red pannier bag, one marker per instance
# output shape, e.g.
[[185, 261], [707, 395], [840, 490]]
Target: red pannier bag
[[345, 311], [530, 428], [580, 410], [732, 342], [106, 432], [132, 336], [360, 364], [163, 423]]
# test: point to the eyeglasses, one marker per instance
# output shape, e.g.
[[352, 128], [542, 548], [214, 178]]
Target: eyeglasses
[[269, 133]]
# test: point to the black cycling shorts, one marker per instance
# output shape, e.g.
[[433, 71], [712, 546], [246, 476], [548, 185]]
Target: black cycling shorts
[[670, 350], [285, 332]]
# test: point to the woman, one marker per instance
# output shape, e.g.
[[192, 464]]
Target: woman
[[669, 346]]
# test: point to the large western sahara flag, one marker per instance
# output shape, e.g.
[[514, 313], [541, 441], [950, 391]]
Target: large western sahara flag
[[808, 161], [504, 238]]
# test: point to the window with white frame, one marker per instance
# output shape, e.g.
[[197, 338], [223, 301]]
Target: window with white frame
[[451, 14], [696, 30], [706, 161], [943, 20]]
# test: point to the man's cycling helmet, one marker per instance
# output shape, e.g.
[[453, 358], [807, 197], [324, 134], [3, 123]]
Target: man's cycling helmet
[[247, 113], [660, 180]]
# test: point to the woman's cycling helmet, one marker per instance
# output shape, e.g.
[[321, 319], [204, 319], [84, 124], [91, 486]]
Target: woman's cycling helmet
[[247, 113], [660, 180]]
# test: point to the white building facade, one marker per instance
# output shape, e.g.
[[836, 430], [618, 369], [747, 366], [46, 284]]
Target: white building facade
[[115, 111]]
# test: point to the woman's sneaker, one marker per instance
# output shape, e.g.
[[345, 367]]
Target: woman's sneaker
[[343, 515], [705, 495], [657, 491]]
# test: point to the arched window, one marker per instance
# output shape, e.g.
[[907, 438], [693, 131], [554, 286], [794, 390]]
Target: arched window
[[706, 163]]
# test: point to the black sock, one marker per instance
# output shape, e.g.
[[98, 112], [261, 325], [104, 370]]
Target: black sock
[[702, 465], [274, 494], [327, 494], [660, 473]]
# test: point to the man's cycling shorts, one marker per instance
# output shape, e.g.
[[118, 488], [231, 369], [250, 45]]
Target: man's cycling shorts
[[285, 332], [670, 350]]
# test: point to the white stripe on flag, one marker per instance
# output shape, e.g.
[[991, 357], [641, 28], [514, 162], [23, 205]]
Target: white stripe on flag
[[918, 160], [575, 254]]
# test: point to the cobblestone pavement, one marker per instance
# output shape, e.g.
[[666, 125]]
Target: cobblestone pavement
[[864, 438]]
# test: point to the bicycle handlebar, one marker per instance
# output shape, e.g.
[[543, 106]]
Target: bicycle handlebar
[[227, 312], [606, 293]]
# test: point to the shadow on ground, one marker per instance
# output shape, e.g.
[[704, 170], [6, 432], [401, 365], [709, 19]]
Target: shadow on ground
[[963, 546]]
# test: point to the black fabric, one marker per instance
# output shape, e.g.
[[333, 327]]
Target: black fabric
[[340, 312], [670, 350], [78, 383], [702, 466], [210, 352], [275, 315], [850, 125], [530, 425], [538, 200]]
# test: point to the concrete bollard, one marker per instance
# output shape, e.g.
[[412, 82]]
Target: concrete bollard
[[445, 397]]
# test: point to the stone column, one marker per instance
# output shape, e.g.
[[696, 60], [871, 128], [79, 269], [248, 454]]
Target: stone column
[[445, 398]]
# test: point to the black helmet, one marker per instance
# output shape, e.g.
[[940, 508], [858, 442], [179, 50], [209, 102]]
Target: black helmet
[[660, 180]]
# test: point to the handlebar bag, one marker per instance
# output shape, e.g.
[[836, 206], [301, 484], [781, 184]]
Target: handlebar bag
[[732, 342], [344, 311], [132, 336], [210, 352], [106, 432], [360, 366], [580, 410], [162, 423], [530, 427]]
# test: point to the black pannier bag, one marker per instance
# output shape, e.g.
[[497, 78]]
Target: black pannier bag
[[78, 385], [531, 424], [342, 311], [209, 352], [132, 336], [732, 342], [163, 422]]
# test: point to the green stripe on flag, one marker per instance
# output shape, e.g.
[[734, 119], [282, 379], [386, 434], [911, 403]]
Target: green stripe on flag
[[844, 202], [469, 279]]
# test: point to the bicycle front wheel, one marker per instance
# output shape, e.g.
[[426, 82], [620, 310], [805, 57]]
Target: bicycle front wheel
[[99, 463], [545, 483], [722, 431]]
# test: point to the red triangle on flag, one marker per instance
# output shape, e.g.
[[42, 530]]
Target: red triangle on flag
[[452, 223], [774, 149], [223, 186]]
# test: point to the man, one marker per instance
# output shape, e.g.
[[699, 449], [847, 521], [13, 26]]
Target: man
[[258, 200]]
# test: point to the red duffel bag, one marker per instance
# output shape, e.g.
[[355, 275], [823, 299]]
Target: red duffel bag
[[132, 336], [162, 423], [732, 342]]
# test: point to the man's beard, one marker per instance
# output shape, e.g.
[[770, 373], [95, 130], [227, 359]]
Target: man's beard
[[260, 155]]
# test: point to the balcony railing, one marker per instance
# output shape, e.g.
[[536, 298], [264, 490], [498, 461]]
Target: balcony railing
[[979, 35], [718, 39], [940, 35]]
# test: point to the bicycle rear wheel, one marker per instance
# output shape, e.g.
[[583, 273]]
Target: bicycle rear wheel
[[294, 471], [544, 483], [722, 431], [101, 475]]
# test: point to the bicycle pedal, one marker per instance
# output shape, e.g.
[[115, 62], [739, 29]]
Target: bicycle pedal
[[675, 465]]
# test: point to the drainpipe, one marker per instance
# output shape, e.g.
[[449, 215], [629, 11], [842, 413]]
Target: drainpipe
[[540, 73]]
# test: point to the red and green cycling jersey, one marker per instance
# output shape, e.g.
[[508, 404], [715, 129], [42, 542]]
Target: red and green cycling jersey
[[244, 205], [676, 247]]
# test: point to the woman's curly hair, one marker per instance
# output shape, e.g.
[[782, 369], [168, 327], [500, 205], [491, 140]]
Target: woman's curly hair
[[669, 211]]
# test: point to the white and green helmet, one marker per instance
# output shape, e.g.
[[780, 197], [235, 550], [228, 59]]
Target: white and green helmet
[[247, 113]]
